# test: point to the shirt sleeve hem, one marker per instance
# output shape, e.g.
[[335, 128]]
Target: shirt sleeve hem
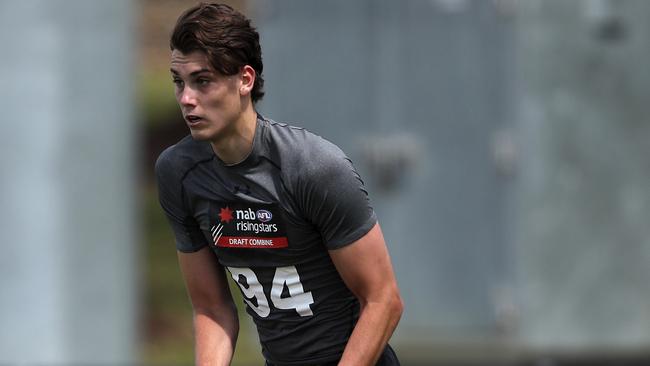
[[183, 248], [354, 235]]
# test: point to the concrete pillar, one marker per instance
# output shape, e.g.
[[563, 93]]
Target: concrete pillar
[[67, 189]]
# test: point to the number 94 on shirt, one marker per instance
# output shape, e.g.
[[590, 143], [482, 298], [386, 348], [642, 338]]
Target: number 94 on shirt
[[285, 277]]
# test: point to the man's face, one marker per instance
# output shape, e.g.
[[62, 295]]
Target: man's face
[[210, 102]]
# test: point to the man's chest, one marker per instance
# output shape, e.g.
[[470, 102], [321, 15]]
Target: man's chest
[[252, 220]]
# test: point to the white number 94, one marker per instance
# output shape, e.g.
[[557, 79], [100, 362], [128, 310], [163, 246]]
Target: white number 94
[[287, 277]]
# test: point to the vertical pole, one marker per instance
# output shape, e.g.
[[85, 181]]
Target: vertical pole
[[67, 188]]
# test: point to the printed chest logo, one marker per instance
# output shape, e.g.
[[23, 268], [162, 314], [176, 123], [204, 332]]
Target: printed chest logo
[[246, 225]]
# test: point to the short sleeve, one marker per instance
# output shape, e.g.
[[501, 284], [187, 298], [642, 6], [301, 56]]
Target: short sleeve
[[187, 232], [334, 196]]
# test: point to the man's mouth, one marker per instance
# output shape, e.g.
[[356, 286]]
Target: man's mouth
[[192, 119]]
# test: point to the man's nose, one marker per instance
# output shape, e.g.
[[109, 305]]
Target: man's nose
[[188, 97]]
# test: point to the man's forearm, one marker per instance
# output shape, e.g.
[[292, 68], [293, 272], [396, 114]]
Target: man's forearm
[[374, 328], [215, 337]]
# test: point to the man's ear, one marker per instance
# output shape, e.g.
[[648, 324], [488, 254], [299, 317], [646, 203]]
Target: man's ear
[[247, 80]]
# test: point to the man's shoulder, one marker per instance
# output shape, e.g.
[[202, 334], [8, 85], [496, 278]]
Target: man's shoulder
[[298, 145], [179, 158]]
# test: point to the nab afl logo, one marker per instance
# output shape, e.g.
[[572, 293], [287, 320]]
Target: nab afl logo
[[264, 215]]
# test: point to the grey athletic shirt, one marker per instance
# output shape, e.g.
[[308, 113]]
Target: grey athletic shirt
[[270, 221]]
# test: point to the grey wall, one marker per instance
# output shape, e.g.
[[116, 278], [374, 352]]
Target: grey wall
[[583, 201]]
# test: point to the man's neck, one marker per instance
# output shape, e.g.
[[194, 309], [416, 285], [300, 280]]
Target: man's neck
[[238, 143]]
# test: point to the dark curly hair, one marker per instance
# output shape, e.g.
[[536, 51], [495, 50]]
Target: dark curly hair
[[225, 35]]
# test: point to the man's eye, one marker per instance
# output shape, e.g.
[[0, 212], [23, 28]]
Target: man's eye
[[202, 82], [177, 82]]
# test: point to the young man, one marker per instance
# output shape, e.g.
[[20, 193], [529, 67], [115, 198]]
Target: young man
[[279, 210]]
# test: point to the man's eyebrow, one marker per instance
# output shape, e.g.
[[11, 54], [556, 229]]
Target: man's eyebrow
[[193, 73], [200, 71]]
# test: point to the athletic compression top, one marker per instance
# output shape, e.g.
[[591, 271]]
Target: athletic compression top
[[271, 220]]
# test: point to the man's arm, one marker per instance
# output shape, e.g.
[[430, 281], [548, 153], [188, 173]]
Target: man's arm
[[367, 271], [215, 317]]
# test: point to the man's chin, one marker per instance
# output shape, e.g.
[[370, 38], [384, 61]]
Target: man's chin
[[199, 135]]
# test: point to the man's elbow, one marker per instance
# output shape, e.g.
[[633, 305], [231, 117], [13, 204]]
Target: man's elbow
[[394, 304], [397, 307], [226, 312]]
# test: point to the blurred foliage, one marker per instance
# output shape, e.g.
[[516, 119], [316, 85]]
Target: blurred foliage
[[156, 97], [167, 313]]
